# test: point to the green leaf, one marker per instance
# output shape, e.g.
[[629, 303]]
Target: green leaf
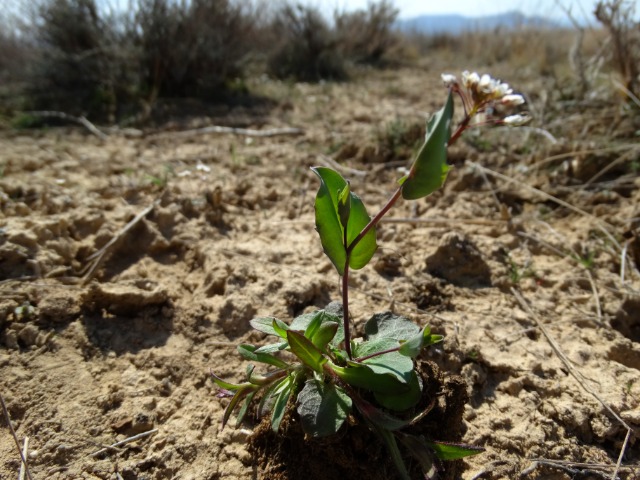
[[280, 328], [250, 353], [314, 325], [226, 385], [429, 171], [280, 406], [330, 227], [264, 325], [239, 395], [301, 323], [271, 348], [344, 206], [306, 351], [400, 402], [245, 408], [389, 325], [325, 334], [390, 363], [362, 376], [413, 346], [323, 408], [453, 451]]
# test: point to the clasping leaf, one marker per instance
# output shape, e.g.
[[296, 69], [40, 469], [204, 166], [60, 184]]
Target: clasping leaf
[[429, 171], [339, 210]]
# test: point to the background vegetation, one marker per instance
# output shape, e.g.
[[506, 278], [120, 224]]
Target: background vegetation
[[82, 58]]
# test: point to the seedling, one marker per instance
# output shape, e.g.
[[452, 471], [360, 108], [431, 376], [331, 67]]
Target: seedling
[[331, 375]]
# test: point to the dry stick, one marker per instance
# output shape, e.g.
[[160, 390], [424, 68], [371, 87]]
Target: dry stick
[[609, 166], [25, 454], [15, 437], [272, 132], [562, 156], [99, 255], [601, 225], [627, 92], [582, 381], [125, 441], [445, 221], [64, 116], [342, 168]]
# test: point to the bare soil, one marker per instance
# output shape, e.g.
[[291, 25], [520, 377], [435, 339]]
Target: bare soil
[[96, 350]]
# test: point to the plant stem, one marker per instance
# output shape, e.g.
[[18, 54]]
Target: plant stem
[[375, 220], [345, 306], [372, 223]]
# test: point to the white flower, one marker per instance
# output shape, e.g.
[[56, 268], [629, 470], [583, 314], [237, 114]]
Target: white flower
[[470, 80], [512, 100], [487, 84], [502, 89], [516, 120], [448, 79]]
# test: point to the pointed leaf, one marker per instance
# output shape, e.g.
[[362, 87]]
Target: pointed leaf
[[240, 394], [344, 206], [323, 408], [314, 325], [280, 405], [453, 451], [429, 171], [226, 385], [306, 351], [330, 228], [301, 322], [271, 348], [413, 346], [249, 352], [245, 408], [263, 324], [280, 328], [325, 334]]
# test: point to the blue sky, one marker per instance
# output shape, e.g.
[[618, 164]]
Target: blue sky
[[581, 9]]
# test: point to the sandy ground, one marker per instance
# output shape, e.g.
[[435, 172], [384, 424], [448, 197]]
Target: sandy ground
[[95, 350]]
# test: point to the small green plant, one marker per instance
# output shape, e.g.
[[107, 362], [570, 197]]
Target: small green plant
[[329, 374], [519, 272]]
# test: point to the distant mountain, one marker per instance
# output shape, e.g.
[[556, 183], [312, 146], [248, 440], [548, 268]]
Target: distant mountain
[[456, 24]]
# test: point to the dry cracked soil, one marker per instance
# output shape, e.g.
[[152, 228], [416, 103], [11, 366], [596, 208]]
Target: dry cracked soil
[[130, 268]]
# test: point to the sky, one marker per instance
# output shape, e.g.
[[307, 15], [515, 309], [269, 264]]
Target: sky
[[580, 9]]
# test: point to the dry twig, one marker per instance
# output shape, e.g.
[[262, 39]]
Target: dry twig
[[98, 256], [271, 132], [342, 168], [15, 438], [582, 381], [124, 442], [25, 454], [64, 116]]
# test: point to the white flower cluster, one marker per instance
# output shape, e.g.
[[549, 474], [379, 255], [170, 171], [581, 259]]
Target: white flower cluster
[[484, 94]]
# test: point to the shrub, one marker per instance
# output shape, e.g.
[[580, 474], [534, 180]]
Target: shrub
[[367, 36], [617, 17], [308, 47], [79, 65], [193, 49]]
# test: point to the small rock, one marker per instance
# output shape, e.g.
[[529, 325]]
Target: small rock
[[28, 334]]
